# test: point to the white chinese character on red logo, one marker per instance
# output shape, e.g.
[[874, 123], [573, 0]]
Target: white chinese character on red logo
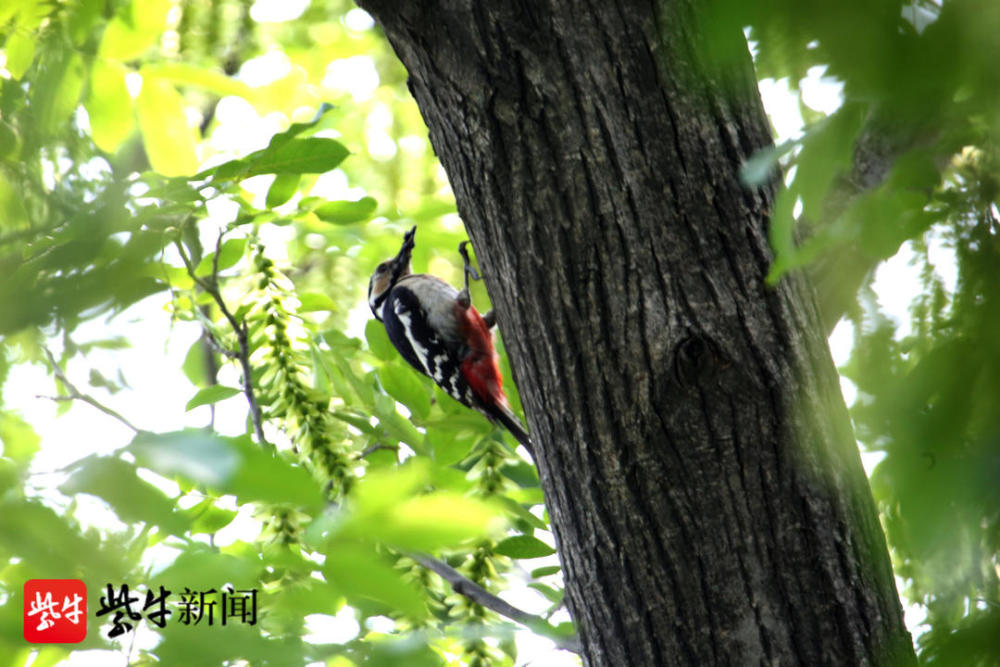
[[45, 606], [55, 610], [71, 608]]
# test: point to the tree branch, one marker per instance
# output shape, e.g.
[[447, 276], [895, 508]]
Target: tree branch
[[838, 274], [77, 395], [367, 451], [240, 328], [473, 591]]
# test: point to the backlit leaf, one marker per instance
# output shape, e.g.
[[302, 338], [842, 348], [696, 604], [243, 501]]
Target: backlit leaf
[[211, 394], [19, 440], [109, 105], [553, 595], [378, 341], [404, 385], [315, 301], [523, 546], [230, 253], [312, 155], [346, 212], [20, 51], [58, 90], [133, 499], [207, 517], [227, 465], [169, 140], [545, 571], [282, 189], [359, 572], [134, 30]]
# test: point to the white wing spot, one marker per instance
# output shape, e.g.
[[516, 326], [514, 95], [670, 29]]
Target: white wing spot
[[421, 351], [439, 362]]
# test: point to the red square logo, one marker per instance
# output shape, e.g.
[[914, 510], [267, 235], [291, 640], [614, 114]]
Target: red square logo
[[55, 611]]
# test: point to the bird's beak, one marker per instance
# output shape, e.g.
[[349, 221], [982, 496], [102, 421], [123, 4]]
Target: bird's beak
[[402, 260]]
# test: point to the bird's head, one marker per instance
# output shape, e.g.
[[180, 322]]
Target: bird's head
[[388, 273]]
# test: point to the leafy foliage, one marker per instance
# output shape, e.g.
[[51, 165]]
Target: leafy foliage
[[113, 180], [920, 84], [930, 405], [239, 177]]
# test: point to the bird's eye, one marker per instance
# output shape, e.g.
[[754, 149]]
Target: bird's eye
[[382, 268]]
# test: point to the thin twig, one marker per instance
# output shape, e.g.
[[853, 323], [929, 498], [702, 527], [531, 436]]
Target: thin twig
[[473, 591], [131, 644], [77, 395], [239, 328], [21, 234], [367, 451]]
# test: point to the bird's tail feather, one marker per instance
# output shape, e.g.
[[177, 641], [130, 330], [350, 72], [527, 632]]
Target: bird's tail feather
[[510, 421]]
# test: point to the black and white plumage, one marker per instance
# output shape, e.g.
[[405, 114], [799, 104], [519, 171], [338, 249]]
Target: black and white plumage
[[437, 330]]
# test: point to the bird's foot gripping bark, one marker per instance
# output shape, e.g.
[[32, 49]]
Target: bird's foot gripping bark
[[464, 299]]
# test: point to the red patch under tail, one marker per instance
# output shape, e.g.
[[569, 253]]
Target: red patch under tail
[[482, 372], [480, 366]]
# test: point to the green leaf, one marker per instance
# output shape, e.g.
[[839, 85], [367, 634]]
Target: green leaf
[[234, 643], [227, 465], [19, 440], [378, 341], [394, 425], [388, 507], [782, 235], [358, 421], [10, 144], [10, 476], [20, 50], [827, 150], [315, 301], [82, 16], [188, 74], [312, 155], [282, 189], [379, 491], [523, 473], [230, 253], [763, 165], [207, 517], [129, 34], [201, 568], [195, 365], [404, 385], [359, 572], [211, 394], [109, 105], [450, 446], [436, 520], [50, 542], [545, 571], [346, 212], [553, 595], [169, 141], [520, 513], [523, 546], [57, 92], [133, 499]]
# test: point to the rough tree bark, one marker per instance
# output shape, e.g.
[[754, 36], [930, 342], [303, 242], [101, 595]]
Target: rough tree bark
[[696, 455]]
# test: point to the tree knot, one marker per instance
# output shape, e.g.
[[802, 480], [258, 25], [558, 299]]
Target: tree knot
[[697, 358]]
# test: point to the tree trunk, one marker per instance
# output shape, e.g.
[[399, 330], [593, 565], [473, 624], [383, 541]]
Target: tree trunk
[[697, 459]]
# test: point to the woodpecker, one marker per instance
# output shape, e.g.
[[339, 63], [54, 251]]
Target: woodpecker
[[439, 332]]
